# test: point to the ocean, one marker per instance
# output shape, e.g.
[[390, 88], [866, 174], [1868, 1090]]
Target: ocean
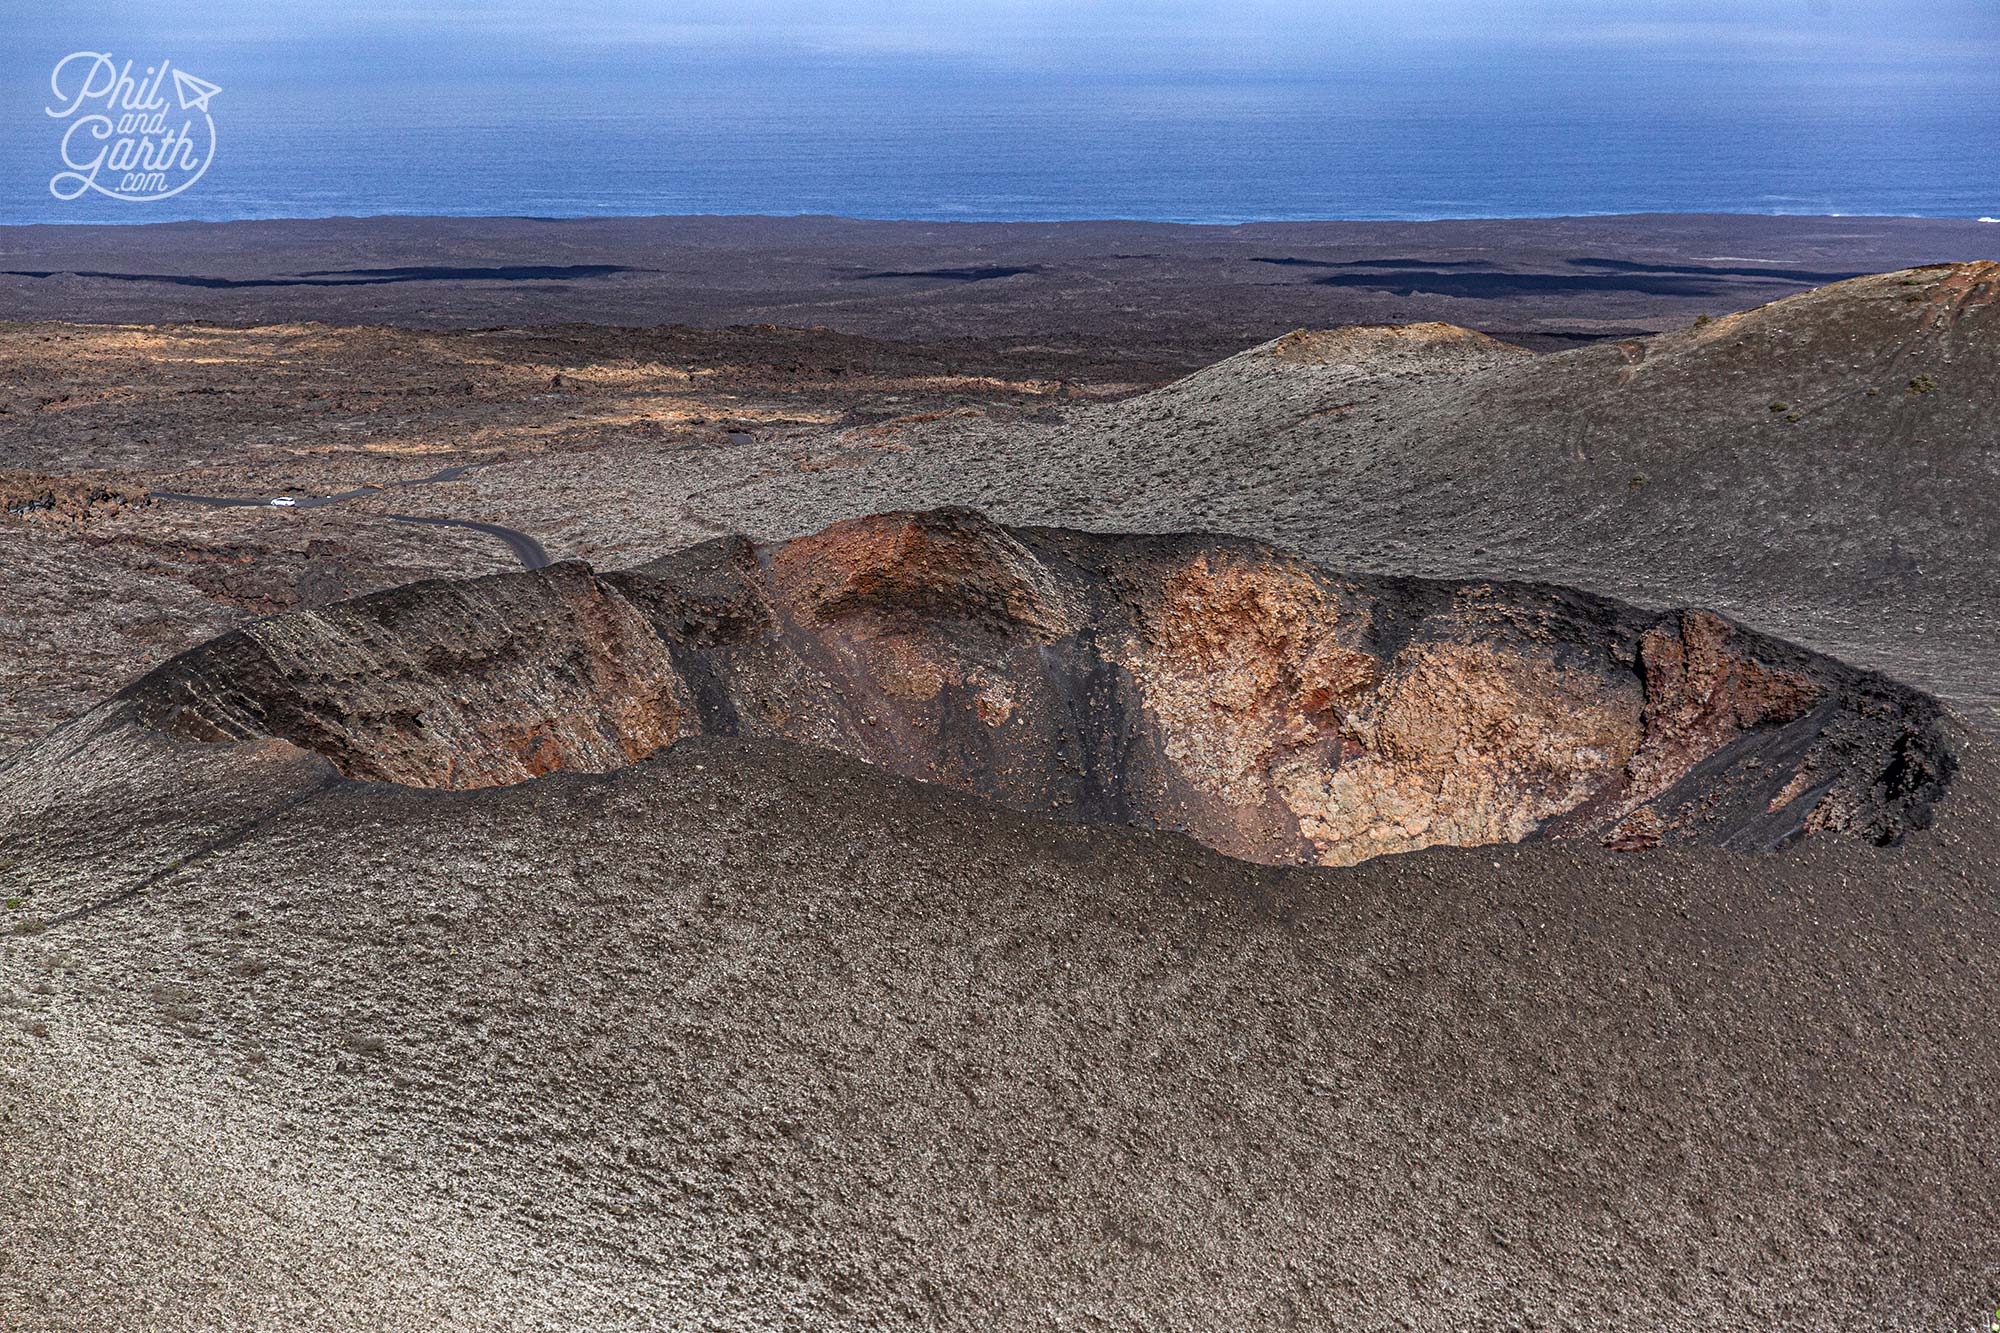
[[946, 142]]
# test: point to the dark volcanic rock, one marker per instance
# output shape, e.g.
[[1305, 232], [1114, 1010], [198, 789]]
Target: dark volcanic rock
[[1275, 710], [70, 500]]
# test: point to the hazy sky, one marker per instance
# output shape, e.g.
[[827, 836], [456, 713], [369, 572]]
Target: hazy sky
[[1136, 36]]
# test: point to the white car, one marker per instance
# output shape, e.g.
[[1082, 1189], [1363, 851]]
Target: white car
[[283, 501]]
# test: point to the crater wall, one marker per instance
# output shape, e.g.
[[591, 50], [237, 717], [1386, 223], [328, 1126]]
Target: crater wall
[[1274, 710]]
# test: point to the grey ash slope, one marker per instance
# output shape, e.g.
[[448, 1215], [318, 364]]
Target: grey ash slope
[[1826, 468], [750, 1037]]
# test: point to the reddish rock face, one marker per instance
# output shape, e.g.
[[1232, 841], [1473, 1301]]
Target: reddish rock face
[[1275, 711]]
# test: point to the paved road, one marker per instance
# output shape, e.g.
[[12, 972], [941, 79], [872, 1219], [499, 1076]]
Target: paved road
[[525, 548], [530, 551]]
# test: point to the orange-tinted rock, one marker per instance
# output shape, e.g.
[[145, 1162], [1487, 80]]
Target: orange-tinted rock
[[897, 570]]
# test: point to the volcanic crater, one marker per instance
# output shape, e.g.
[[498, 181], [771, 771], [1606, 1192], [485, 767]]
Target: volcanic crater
[[1274, 710]]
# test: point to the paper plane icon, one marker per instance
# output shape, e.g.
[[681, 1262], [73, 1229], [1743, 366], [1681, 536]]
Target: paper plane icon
[[194, 93]]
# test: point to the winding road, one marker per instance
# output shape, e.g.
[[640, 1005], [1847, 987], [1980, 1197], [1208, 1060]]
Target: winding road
[[525, 548]]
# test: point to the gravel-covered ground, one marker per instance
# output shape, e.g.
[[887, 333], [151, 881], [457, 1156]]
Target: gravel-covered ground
[[751, 1036]]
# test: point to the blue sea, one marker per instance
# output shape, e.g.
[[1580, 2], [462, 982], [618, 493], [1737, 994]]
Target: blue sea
[[937, 140]]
